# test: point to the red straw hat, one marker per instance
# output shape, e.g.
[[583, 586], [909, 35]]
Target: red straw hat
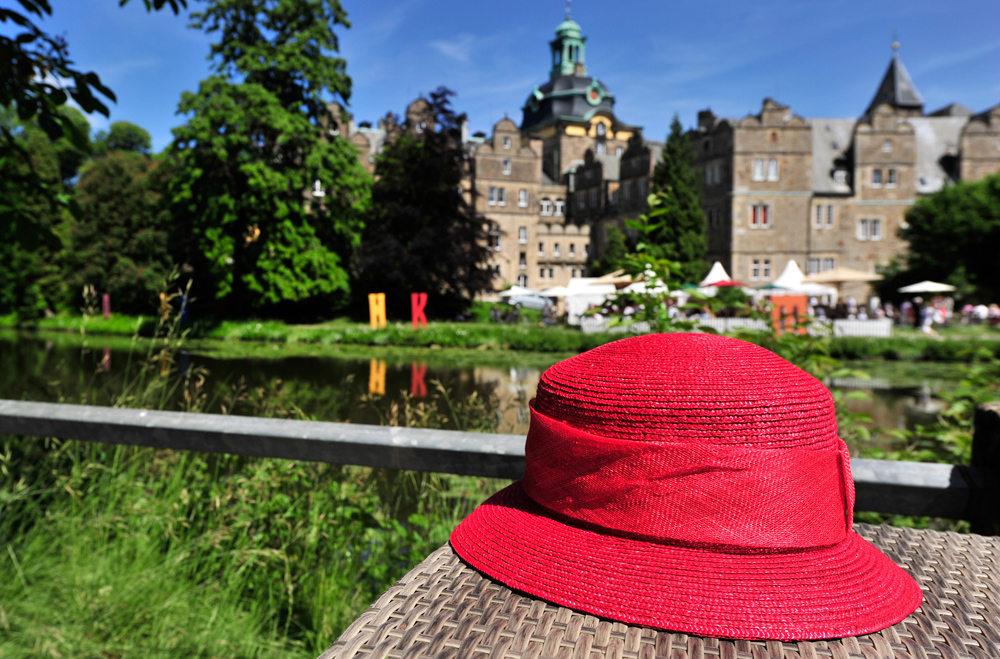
[[692, 483]]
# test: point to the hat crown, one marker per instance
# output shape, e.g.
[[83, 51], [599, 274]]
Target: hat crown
[[691, 388]]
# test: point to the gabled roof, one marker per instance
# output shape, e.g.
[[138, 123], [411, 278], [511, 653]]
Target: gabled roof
[[897, 88]]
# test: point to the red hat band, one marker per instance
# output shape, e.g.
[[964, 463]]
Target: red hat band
[[728, 497]]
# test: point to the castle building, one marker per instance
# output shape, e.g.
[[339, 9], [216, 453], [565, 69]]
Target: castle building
[[776, 186], [832, 192]]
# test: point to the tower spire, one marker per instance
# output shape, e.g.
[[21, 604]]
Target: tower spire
[[567, 9]]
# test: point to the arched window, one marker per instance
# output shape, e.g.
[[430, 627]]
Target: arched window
[[602, 130]]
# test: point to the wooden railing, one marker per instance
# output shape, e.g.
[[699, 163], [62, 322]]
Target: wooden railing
[[906, 488]]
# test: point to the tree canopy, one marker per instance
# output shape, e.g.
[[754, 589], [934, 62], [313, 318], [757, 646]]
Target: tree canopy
[[123, 136], [953, 236], [680, 236], [614, 255], [258, 140], [119, 243], [422, 235]]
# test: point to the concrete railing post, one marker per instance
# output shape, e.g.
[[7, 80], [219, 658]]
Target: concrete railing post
[[985, 504]]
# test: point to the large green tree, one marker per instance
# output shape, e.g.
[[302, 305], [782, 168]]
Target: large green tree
[[954, 236], [29, 223], [422, 236], [680, 236], [118, 244], [259, 137], [123, 136]]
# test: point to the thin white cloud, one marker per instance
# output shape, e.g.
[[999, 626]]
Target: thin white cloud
[[460, 48], [949, 60]]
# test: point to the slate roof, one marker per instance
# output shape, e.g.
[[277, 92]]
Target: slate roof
[[564, 96], [831, 138], [937, 138], [952, 110], [897, 88]]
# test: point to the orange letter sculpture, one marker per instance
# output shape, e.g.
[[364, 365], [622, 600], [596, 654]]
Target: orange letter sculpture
[[417, 387], [376, 377], [418, 302], [376, 309]]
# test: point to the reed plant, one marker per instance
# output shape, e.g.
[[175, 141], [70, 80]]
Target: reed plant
[[116, 551]]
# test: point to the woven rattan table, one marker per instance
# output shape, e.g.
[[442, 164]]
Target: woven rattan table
[[443, 608]]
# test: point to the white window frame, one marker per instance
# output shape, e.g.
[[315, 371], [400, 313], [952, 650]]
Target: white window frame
[[863, 230], [755, 270], [891, 177], [492, 199], [501, 196], [495, 237], [759, 216], [601, 148], [522, 281], [522, 235], [559, 207], [602, 130], [875, 229], [522, 260], [773, 170], [522, 198], [840, 175], [886, 146], [541, 248], [758, 169], [505, 167], [506, 142], [813, 265], [829, 264], [877, 177], [556, 251], [546, 206], [766, 270], [572, 249], [818, 219], [829, 216]]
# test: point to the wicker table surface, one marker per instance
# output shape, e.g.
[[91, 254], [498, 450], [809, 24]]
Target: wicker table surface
[[443, 608]]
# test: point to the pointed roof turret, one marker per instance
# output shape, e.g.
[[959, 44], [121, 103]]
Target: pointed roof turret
[[897, 88]]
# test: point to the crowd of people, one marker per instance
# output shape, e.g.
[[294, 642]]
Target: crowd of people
[[921, 314]]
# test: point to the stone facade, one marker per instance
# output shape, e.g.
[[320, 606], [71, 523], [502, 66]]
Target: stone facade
[[832, 192], [776, 186]]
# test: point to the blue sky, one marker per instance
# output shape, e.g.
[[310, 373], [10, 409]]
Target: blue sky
[[824, 58]]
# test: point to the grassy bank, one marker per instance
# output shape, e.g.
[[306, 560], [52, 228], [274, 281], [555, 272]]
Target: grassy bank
[[961, 344]]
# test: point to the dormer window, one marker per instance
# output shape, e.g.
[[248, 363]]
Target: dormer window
[[840, 175], [886, 146], [602, 130]]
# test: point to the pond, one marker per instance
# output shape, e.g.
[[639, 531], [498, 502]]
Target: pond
[[352, 384]]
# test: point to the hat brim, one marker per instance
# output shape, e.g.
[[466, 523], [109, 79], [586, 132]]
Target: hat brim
[[847, 589]]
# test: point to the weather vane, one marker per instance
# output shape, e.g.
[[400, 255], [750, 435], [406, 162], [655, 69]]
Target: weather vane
[[567, 8]]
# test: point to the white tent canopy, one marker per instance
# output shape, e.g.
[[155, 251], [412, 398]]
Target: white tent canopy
[[790, 281], [927, 287], [717, 273]]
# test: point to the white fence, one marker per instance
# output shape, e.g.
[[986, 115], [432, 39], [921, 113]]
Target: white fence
[[881, 327]]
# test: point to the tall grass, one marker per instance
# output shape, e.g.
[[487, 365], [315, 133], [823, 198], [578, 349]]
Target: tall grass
[[111, 551]]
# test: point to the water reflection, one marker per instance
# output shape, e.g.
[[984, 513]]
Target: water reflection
[[330, 387]]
